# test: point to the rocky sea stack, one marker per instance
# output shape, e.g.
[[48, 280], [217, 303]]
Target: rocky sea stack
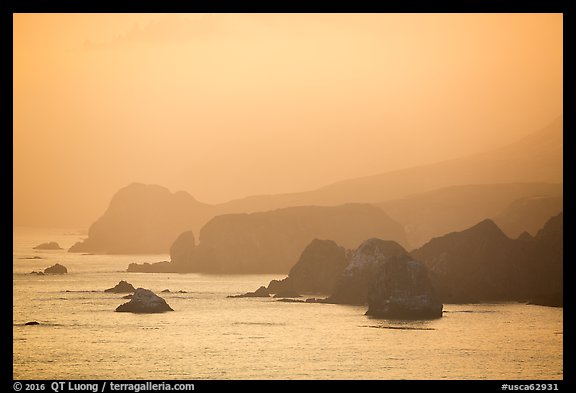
[[368, 259], [145, 301], [316, 271], [48, 246], [122, 287], [56, 269], [402, 290]]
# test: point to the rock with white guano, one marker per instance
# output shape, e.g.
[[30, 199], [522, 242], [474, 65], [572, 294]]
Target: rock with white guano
[[354, 282], [403, 290]]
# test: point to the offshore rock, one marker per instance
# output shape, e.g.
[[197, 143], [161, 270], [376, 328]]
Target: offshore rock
[[316, 271], [56, 269], [402, 290], [122, 287], [48, 246], [359, 275], [145, 301]]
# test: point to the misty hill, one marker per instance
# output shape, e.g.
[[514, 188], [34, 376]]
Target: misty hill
[[481, 263], [535, 158], [518, 207], [143, 219], [270, 242], [528, 214]]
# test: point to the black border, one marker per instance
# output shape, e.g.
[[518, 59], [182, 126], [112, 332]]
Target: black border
[[568, 189], [567, 7], [290, 6]]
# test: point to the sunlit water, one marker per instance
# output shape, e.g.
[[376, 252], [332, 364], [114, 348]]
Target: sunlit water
[[209, 336]]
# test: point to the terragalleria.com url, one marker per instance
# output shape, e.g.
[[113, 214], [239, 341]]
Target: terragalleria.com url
[[137, 387]]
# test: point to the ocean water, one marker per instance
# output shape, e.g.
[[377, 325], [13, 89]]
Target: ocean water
[[209, 336]]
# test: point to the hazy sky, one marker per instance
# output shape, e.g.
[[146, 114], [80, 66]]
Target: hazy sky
[[228, 105]]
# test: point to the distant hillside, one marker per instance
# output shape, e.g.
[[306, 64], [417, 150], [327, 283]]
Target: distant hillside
[[528, 214], [143, 219], [535, 158], [456, 208], [270, 242]]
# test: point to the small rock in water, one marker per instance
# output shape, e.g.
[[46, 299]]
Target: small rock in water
[[121, 287], [315, 300], [145, 301], [48, 246], [56, 269], [31, 323]]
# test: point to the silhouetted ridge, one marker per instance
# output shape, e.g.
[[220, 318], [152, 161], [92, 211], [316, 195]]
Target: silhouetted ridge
[[529, 214], [552, 231], [471, 265], [483, 264], [535, 158], [515, 207], [525, 236], [486, 228], [547, 260]]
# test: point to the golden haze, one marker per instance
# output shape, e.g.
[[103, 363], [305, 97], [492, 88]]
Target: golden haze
[[225, 106]]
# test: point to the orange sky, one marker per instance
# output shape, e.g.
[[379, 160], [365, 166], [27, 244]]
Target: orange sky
[[225, 106]]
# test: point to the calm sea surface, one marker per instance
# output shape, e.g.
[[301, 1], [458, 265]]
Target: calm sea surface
[[212, 337]]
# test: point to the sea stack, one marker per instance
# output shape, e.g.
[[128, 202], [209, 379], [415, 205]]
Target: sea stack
[[145, 301], [56, 269], [122, 287], [368, 259], [402, 290], [48, 246]]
